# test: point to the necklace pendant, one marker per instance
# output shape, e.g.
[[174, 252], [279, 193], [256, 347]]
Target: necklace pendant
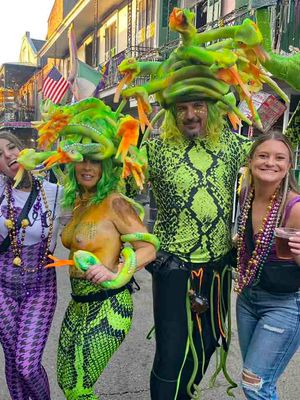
[[9, 223], [17, 261]]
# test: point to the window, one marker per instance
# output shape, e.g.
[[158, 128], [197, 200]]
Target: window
[[201, 14], [146, 18], [89, 53], [241, 3], [110, 41], [167, 8]]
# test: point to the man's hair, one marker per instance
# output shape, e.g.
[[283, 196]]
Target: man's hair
[[110, 177], [214, 126]]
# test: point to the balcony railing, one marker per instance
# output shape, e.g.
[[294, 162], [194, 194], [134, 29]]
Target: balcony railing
[[111, 76], [14, 113]]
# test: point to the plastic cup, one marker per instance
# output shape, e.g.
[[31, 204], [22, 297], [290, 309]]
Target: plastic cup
[[282, 236]]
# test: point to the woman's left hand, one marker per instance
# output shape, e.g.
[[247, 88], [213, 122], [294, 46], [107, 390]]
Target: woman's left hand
[[99, 273], [294, 244]]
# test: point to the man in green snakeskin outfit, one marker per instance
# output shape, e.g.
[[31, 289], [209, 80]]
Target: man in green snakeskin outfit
[[192, 168]]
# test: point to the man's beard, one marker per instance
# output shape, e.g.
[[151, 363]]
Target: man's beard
[[192, 135]]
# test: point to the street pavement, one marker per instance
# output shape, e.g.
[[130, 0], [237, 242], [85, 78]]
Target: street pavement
[[127, 375]]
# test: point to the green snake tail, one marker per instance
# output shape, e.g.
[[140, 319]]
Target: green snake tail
[[227, 337], [191, 342], [143, 237]]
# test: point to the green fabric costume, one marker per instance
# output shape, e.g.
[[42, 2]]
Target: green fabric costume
[[193, 184], [91, 332], [193, 187]]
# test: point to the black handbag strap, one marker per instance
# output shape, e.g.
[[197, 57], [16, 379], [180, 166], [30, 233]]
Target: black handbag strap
[[24, 214]]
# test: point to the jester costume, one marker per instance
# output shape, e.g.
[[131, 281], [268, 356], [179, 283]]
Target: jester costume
[[98, 316], [193, 184]]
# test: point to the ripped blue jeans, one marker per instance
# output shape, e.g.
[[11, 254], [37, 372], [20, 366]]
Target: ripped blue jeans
[[269, 336]]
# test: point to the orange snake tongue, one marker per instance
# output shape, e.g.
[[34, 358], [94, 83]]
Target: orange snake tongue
[[124, 81], [58, 263]]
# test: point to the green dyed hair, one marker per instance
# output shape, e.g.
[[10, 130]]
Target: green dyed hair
[[214, 126], [110, 177]]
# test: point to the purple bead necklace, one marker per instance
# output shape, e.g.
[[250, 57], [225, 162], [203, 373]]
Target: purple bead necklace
[[249, 269], [17, 234]]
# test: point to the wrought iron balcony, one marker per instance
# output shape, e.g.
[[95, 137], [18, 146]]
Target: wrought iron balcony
[[11, 112], [109, 69]]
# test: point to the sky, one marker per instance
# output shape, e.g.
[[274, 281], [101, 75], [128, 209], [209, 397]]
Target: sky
[[17, 17]]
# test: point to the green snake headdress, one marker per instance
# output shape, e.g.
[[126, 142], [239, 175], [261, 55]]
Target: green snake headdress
[[217, 65], [89, 129]]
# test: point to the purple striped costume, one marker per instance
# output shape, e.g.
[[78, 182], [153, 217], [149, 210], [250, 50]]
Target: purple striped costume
[[27, 303]]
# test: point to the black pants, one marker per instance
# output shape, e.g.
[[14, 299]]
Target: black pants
[[169, 302]]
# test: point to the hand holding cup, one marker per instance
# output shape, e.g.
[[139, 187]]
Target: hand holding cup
[[294, 243], [287, 243]]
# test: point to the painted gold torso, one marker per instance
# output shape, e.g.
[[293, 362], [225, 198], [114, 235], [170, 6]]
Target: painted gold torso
[[92, 228]]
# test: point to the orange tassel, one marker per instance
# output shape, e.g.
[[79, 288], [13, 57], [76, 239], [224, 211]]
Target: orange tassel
[[126, 80], [129, 132], [234, 120], [142, 115], [219, 306]]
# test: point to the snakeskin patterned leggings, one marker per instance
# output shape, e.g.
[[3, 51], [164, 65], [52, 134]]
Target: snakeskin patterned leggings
[[25, 320], [91, 332]]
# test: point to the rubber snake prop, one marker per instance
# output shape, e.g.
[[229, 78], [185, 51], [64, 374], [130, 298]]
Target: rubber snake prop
[[83, 260], [281, 67]]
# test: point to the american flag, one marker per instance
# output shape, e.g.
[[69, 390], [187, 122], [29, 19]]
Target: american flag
[[55, 86]]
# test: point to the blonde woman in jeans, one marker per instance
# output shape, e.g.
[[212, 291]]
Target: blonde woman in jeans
[[268, 304]]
